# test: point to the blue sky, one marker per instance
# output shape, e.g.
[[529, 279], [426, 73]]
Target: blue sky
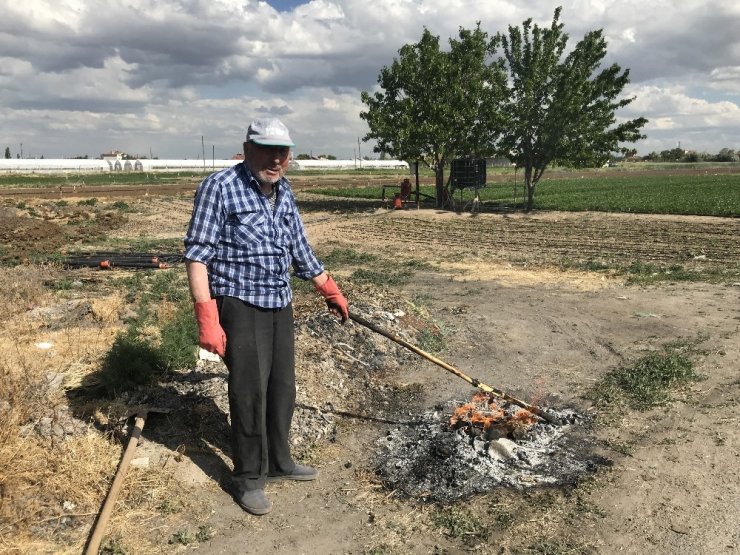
[[86, 76], [284, 5]]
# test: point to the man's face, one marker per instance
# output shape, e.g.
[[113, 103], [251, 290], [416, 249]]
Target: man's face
[[267, 163]]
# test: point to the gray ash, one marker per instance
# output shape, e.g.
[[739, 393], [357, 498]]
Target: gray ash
[[437, 461]]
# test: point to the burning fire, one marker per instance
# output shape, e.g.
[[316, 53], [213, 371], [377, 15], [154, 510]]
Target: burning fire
[[484, 416]]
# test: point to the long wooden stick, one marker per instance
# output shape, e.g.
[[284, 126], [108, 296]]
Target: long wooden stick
[[473, 381], [93, 545]]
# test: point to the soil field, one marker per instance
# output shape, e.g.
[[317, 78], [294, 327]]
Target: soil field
[[511, 302]]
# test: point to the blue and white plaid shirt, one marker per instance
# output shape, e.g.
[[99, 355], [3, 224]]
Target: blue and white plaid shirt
[[248, 247]]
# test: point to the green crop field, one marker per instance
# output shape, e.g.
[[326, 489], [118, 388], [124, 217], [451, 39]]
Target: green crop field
[[661, 193], [95, 179]]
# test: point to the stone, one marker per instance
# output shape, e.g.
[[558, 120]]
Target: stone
[[140, 462], [502, 449]]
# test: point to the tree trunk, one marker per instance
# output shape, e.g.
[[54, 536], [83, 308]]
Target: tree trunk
[[439, 174], [440, 186], [529, 185]]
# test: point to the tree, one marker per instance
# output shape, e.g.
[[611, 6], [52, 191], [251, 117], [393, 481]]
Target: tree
[[560, 111], [436, 105], [726, 155], [7, 152]]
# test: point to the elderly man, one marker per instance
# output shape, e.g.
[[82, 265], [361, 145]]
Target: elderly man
[[244, 235]]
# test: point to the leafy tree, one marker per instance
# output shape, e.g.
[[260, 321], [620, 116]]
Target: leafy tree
[[673, 155], [628, 152], [560, 111], [7, 152], [435, 105], [726, 155]]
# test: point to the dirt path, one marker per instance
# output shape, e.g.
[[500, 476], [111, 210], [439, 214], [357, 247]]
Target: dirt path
[[548, 335], [531, 304]]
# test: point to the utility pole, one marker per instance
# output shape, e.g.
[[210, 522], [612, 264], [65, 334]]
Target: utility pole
[[203, 147], [21, 151], [359, 153]]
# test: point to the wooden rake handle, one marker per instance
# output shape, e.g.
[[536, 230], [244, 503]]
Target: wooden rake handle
[[473, 381], [93, 545]]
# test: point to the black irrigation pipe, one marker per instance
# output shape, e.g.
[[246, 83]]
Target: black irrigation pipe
[[108, 260]]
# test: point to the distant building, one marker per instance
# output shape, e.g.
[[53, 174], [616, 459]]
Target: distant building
[[112, 155]]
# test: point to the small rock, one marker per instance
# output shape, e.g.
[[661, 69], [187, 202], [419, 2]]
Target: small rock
[[502, 449], [207, 355], [141, 462], [54, 380]]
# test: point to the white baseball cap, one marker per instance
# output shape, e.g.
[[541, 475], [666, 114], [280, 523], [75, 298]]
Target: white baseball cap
[[269, 132]]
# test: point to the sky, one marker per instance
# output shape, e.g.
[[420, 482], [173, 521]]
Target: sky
[[167, 77]]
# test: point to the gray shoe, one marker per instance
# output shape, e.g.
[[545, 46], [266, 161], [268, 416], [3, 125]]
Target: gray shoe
[[300, 472], [254, 501]]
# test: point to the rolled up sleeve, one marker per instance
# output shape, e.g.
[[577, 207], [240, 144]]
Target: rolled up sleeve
[[305, 263], [206, 223]]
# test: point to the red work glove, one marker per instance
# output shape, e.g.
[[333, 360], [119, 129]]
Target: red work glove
[[334, 299], [211, 335]]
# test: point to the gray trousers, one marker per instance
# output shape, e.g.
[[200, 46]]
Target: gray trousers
[[260, 356]]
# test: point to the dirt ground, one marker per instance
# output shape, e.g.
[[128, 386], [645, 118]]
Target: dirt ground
[[513, 316]]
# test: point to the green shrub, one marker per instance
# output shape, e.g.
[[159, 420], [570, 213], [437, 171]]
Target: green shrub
[[179, 338], [131, 362]]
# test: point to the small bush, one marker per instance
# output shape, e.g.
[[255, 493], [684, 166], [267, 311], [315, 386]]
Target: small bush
[[121, 206], [179, 338], [131, 362]]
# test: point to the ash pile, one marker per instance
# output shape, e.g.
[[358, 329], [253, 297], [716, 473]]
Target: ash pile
[[457, 450]]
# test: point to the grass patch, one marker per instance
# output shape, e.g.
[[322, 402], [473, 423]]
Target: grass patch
[[461, 524], [431, 340], [161, 337], [172, 245], [382, 278], [564, 547], [648, 273], [95, 179], [650, 381], [347, 256], [114, 546], [644, 273]]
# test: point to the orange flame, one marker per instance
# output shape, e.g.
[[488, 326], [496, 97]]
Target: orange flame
[[483, 412]]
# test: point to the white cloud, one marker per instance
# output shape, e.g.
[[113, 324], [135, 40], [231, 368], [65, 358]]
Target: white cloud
[[76, 75]]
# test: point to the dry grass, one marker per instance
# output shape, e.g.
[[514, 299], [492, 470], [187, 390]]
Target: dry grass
[[52, 485], [23, 287]]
